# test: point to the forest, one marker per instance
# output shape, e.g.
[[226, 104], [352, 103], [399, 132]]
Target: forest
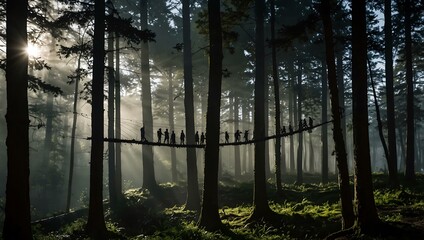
[[211, 119]]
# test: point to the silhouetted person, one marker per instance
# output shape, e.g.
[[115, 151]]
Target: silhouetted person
[[182, 137], [173, 137], [283, 131], [143, 134], [227, 137], [159, 134], [166, 139], [305, 125], [202, 138], [246, 135], [237, 136], [196, 137]]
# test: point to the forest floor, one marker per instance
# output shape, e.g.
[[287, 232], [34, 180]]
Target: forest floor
[[307, 211]]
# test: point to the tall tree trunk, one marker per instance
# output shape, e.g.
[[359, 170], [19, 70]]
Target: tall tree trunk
[[174, 172], [276, 101], [377, 111], [17, 221], [339, 143], [209, 216], [341, 87], [311, 155], [410, 131], [49, 130], [193, 197], [266, 107], [390, 99], [299, 179], [364, 197], [292, 103], [73, 131], [324, 129], [118, 166], [237, 163], [111, 122], [96, 224], [149, 180], [260, 200]]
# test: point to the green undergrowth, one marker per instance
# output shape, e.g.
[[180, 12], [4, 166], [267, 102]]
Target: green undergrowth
[[306, 211]]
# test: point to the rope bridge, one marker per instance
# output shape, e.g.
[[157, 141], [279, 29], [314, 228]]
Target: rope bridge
[[133, 141]]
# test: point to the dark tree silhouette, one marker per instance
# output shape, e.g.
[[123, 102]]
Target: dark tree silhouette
[[17, 222], [209, 216], [324, 128], [340, 147], [96, 224], [276, 100], [391, 126], [149, 180], [364, 197], [260, 202], [193, 197], [410, 134]]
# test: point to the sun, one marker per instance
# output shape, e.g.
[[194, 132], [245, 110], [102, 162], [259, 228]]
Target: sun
[[32, 50]]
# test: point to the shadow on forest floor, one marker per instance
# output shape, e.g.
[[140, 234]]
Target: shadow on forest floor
[[306, 211]]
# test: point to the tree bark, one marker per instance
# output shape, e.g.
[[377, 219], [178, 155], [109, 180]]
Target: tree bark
[[73, 131], [118, 166], [260, 201], [390, 99], [17, 221], [111, 122], [209, 216], [237, 163], [324, 129], [364, 197], [410, 131], [193, 198], [171, 122], [340, 147], [299, 168], [149, 180], [96, 224], [276, 101]]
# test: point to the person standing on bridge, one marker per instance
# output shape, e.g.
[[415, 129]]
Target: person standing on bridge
[[202, 138], [246, 135], [143, 134], [182, 137], [166, 139], [227, 137], [311, 124], [173, 137], [159, 134], [196, 137], [283, 131], [237, 136]]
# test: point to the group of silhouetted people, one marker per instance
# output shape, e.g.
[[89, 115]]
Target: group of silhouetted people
[[237, 136], [170, 138], [303, 124]]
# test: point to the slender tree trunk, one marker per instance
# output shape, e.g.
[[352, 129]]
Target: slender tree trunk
[[292, 103], [237, 163], [402, 148], [96, 224], [410, 131], [276, 101], [149, 180], [118, 166], [341, 87], [364, 197], [300, 135], [324, 129], [311, 155], [209, 216], [17, 221], [193, 197], [260, 200], [111, 122], [390, 99], [340, 147], [377, 111], [73, 131], [171, 122]]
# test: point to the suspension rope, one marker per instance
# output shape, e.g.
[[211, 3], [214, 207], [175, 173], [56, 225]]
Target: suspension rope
[[133, 141]]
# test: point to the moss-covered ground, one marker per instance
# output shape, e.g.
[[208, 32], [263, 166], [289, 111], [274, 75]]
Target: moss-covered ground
[[307, 211]]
